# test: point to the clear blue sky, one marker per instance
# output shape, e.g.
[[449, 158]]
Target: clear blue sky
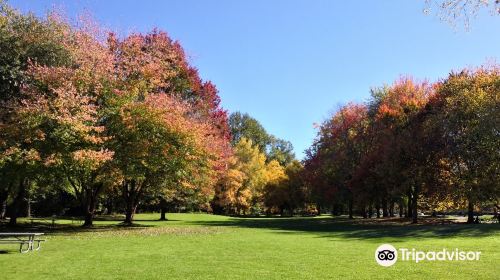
[[291, 63]]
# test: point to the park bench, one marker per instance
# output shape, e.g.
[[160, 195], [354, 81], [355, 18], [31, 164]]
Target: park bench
[[22, 238]]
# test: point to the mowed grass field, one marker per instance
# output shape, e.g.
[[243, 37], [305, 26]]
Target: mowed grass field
[[200, 246]]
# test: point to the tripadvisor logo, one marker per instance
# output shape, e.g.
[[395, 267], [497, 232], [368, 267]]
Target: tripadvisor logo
[[387, 255]]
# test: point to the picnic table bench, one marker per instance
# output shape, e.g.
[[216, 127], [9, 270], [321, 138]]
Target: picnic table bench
[[22, 238]]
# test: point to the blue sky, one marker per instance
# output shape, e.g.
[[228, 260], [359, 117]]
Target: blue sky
[[289, 63]]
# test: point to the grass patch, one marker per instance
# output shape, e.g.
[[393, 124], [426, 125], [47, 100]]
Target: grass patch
[[199, 246]]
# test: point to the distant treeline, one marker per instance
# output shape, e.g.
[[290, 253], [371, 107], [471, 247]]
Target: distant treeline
[[413, 146]]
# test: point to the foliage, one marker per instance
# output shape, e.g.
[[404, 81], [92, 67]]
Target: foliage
[[245, 126], [171, 122], [467, 118], [106, 113], [417, 145]]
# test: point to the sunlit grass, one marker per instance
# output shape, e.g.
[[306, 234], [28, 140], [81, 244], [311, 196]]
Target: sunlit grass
[[199, 246]]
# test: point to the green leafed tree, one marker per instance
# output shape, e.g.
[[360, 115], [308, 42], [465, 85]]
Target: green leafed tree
[[245, 126]]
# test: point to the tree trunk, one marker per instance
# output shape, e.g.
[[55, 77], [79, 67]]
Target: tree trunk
[[378, 210], [163, 209], [129, 214], [87, 191], [401, 210], [350, 209], [131, 193], [3, 204], [88, 219], [28, 207], [470, 212], [89, 209], [109, 206], [18, 200], [90, 203], [13, 219], [414, 206], [268, 212], [163, 216], [385, 213], [391, 209], [3, 209], [409, 212], [370, 210]]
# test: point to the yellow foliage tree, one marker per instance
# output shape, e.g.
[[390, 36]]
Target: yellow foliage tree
[[243, 183]]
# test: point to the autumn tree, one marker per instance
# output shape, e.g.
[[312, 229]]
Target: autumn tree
[[366, 155], [243, 125], [275, 191], [467, 119], [229, 193], [96, 111], [284, 190], [62, 106], [164, 146], [24, 40], [174, 129], [242, 186], [296, 186], [336, 152], [396, 128]]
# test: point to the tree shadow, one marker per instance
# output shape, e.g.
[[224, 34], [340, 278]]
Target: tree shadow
[[157, 220], [112, 218], [72, 225], [69, 229], [358, 228]]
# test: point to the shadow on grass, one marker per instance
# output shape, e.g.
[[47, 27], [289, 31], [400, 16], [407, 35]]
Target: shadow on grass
[[325, 226], [74, 225], [69, 229], [157, 220], [358, 228]]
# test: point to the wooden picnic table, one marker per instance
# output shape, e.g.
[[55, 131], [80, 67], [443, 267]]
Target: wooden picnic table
[[22, 238]]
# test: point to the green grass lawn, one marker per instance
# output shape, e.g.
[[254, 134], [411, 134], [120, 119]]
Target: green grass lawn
[[199, 246]]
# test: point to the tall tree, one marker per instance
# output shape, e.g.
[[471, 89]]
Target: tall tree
[[394, 110], [61, 104], [336, 153], [175, 130], [244, 126], [163, 146], [281, 151], [468, 120], [24, 40], [284, 190], [242, 187]]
